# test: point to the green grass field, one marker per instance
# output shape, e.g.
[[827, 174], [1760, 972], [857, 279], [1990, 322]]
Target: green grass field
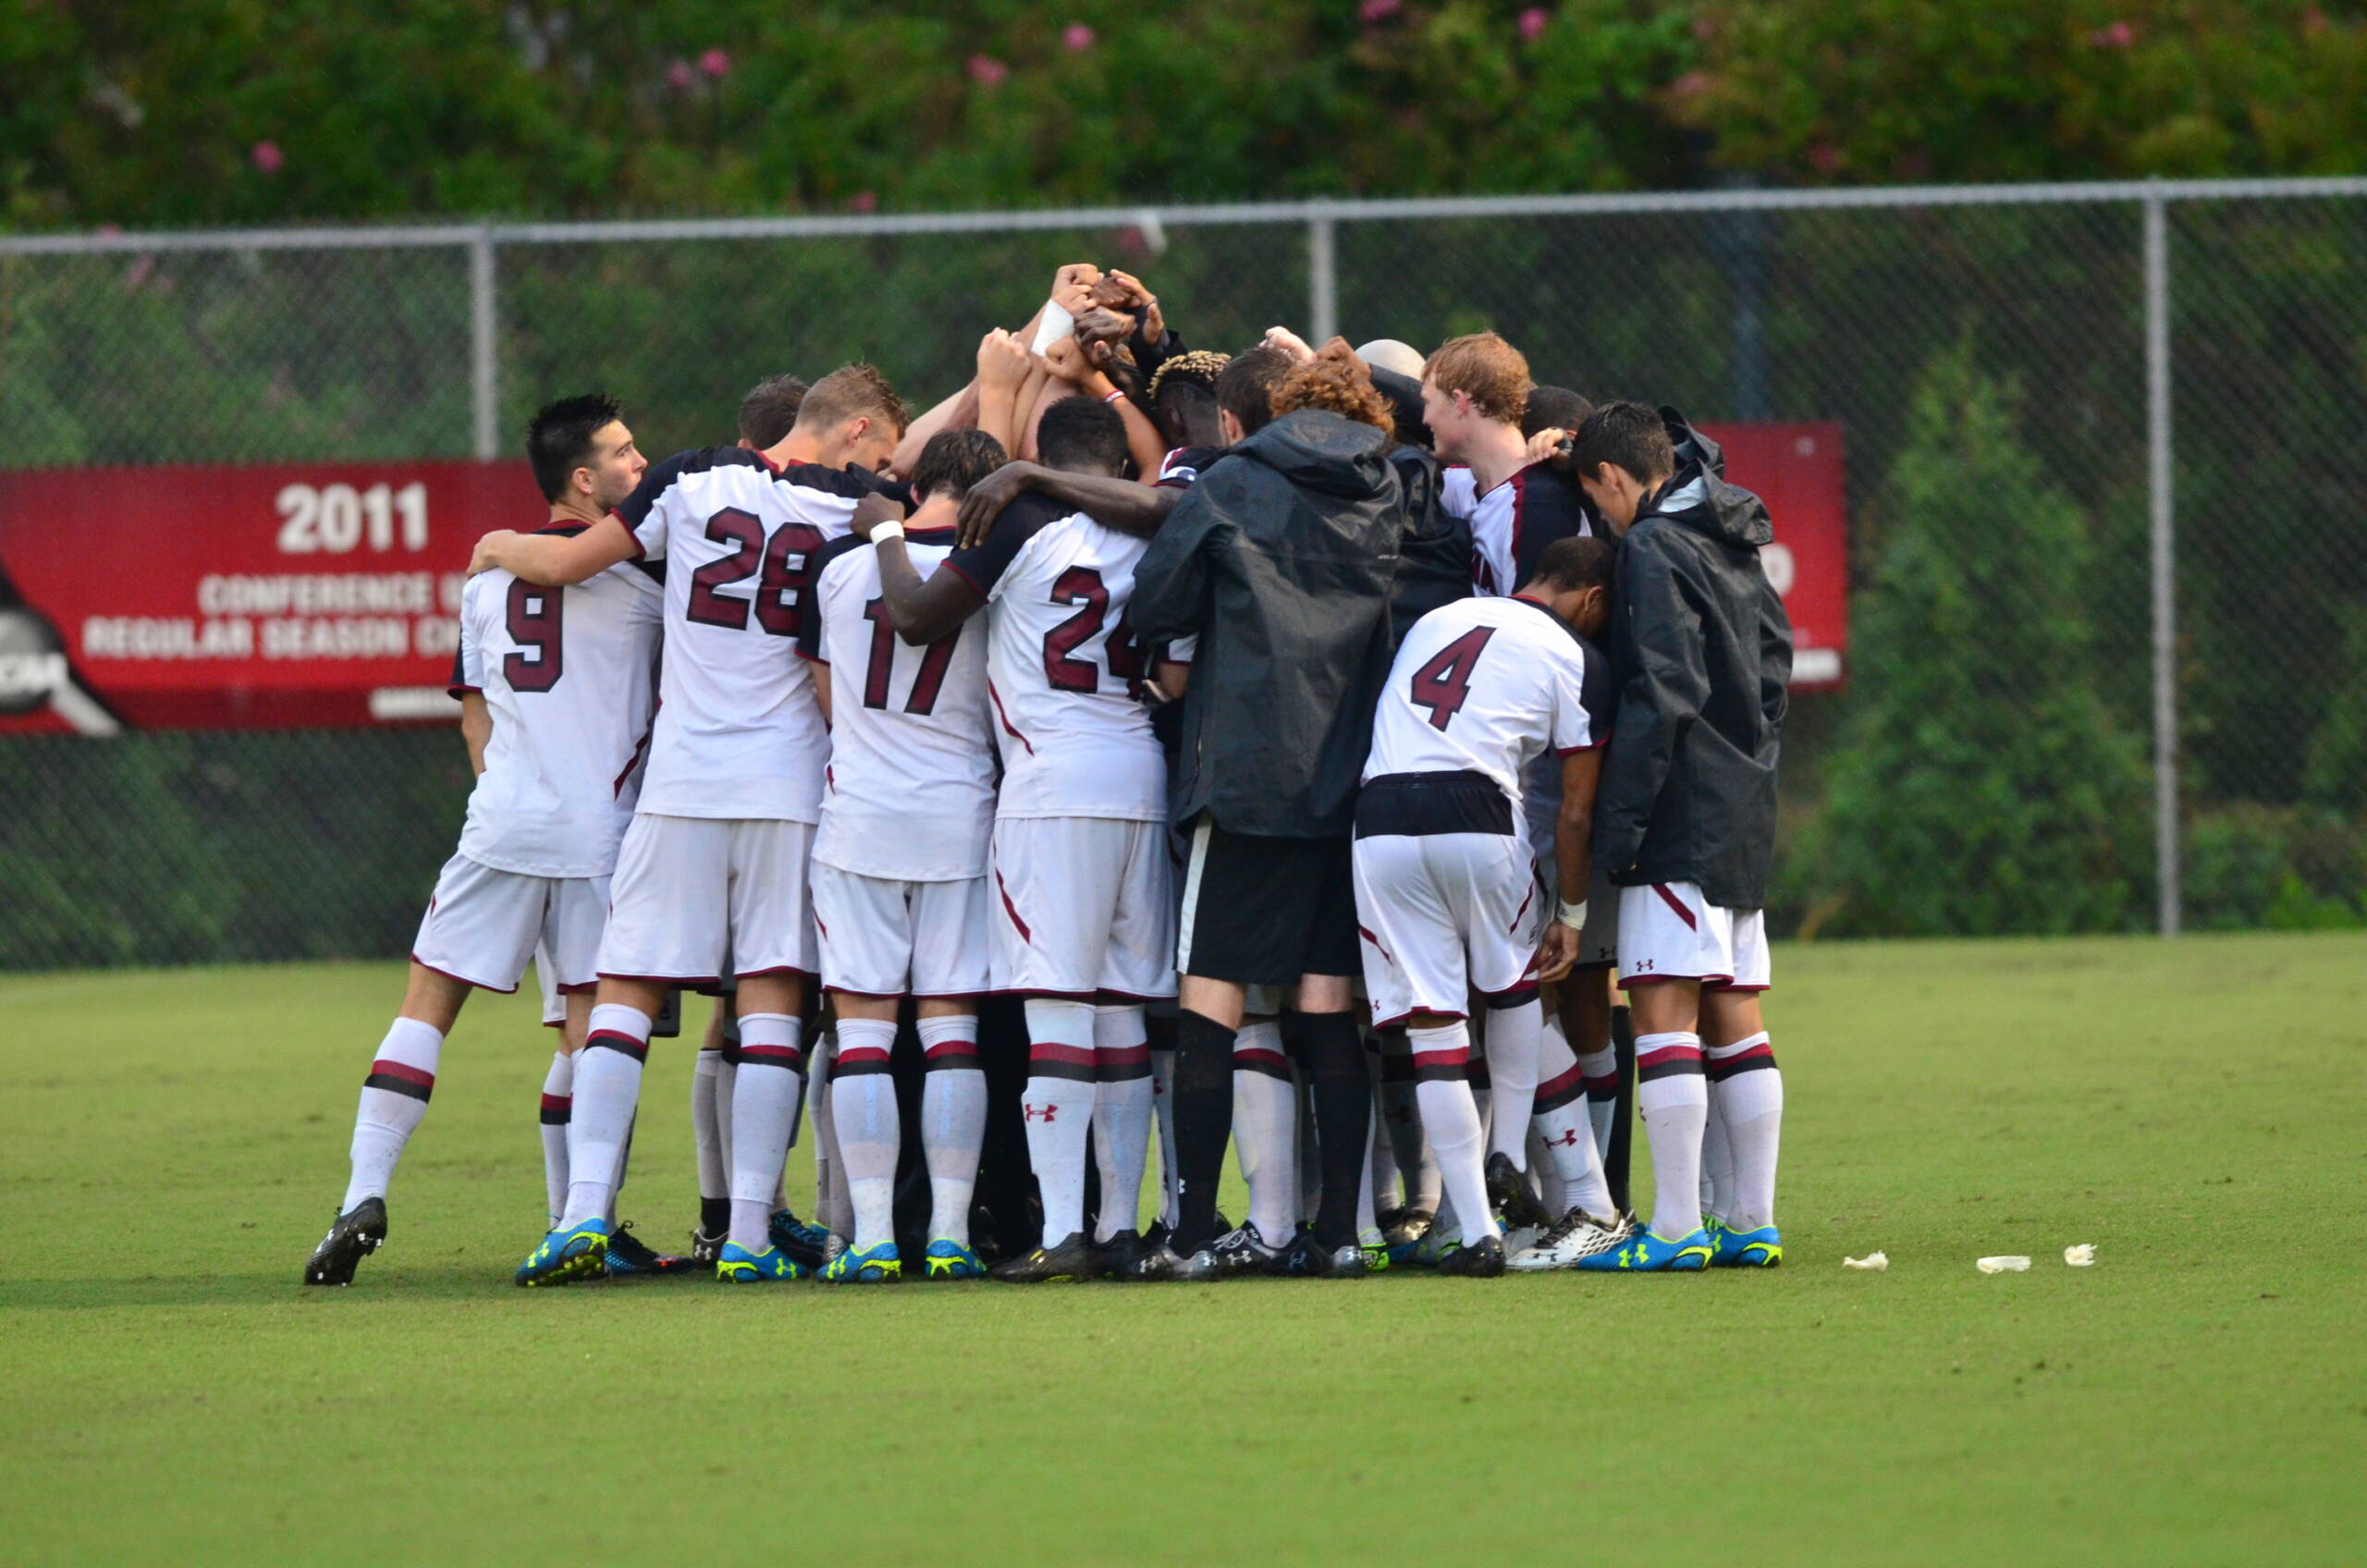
[[171, 1145]]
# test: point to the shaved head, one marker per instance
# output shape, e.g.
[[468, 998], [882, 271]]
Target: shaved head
[[1388, 353]]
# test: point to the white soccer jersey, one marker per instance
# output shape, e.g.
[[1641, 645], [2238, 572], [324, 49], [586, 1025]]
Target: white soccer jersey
[[909, 791], [568, 675], [740, 734], [1483, 685], [1064, 674], [1511, 524]]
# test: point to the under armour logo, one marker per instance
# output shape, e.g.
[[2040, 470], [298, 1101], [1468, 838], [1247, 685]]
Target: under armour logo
[[1037, 1113], [1568, 1139]]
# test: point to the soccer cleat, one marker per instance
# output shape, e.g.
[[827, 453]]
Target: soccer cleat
[[1578, 1235], [1375, 1249], [738, 1266], [1509, 1194], [1155, 1264], [1306, 1259], [1762, 1249], [951, 1260], [1646, 1252], [631, 1258], [867, 1266], [1428, 1252], [1242, 1251], [1482, 1260], [807, 1244], [704, 1249], [1403, 1230], [353, 1236], [1115, 1258], [1071, 1261], [579, 1253]]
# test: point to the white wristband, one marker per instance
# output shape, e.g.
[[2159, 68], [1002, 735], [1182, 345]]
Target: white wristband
[[1574, 915], [891, 528]]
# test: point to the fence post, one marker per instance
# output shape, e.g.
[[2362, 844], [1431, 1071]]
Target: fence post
[[1322, 278], [483, 371], [2161, 499]]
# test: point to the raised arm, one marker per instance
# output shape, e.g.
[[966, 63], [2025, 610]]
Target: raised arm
[[1122, 504], [554, 561]]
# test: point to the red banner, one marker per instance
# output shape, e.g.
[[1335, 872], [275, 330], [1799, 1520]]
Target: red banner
[[324, 593]]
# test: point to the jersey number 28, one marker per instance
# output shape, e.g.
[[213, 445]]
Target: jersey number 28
[[786, 560]]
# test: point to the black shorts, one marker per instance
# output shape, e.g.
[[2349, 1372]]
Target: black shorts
[[1264, 911]]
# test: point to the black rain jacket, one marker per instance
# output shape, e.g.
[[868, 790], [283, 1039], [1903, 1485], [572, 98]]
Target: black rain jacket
[[1281, 559], [1704, 652]]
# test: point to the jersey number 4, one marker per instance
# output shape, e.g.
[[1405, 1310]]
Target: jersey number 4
[[1081, 585], [537, 621], [786, 561], [1443, 685], [934, 660]]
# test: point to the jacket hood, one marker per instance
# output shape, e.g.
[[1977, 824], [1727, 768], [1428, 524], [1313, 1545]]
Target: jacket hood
[[1698, 496], [1321, 451]]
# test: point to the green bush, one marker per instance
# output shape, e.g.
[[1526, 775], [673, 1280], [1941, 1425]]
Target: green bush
[[2285, 868]]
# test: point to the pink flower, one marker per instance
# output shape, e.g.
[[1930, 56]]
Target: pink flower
[[1704, 29], [986, 70], [268, 156], [1532, 22], [1692, 84], [715, 63], [2120, 35], [1078, 37], [1373, 11], [679, 75], [2314, 21], [865, 200], [1825, 158]]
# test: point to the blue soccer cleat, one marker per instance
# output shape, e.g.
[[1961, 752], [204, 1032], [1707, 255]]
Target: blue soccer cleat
[[581, 1253], [869, 1265], [1646, 1252], [738, 1266], [1762, 1249], [951, 1260]]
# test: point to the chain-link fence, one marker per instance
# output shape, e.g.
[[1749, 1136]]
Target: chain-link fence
[[2108, 575]]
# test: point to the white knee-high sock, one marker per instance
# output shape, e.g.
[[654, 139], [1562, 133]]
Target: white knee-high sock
[[763, 1107], [863, 1114], [394, 1098], [1265, 1129], [1717, 1160], [1451, 1121], [1562, 1124], [1513, 1044], [1122, 1115], [953, 1122], [1674, 1100], [1057, 1105], [558, 1101], [1746, 1095], [706, 1127], [1162, 1093], [1598, 1071], [608, 1090]]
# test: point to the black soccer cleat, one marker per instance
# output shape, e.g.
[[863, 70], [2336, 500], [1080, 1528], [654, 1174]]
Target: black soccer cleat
[[630, 1257], [706, 1249], [1306, 1259], [1509, 1191], [355, 1236], [1482, 1260], [1116, 1258], [1071, 1261], [803, 1242], [1242, 1250]]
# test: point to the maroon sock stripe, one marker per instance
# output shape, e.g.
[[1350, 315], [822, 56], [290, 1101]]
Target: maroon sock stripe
[[1045, 1051], [610, 1039], [1559, 1090], [557, 1109], [1271, 1063], [1121, 1064], [859, 1064], [772, 1056], [400, 1078], [1669, 1062], [1722, 1068], [951, 1054], [1604, 1088], [1067, 1071]]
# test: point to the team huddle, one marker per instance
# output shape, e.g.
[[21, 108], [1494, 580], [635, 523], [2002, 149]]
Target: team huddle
[[1314, 743]]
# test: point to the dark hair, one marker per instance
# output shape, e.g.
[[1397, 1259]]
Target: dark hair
[[1245, 386], [1184, 398], [1575, 562], [848, 392], [953, 460], [559, 440], [1081, 435], [1627, 436], [770, 410], [1554, 407]]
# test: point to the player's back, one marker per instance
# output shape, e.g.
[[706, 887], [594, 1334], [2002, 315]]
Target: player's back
[[1511, 524], [1065, 677], [1482, 685], [909, 789], [569, 678], [738, 734]]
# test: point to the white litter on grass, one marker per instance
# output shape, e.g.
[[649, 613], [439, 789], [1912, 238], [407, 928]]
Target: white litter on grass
[[1877, 1261], [2081, 1256], [2016, 1265]]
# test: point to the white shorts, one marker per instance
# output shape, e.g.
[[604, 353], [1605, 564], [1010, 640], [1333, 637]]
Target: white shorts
[[886, 938], [693, 895], [484, 924], [546, 975], [1667, 931], [1082, 906], [1441, 916]]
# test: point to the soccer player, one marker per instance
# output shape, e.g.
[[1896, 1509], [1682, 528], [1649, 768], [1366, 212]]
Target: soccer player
[[899, 871], [1445, 888], [1082, 911], [716, 859], [557, 687], [1686, 824]]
